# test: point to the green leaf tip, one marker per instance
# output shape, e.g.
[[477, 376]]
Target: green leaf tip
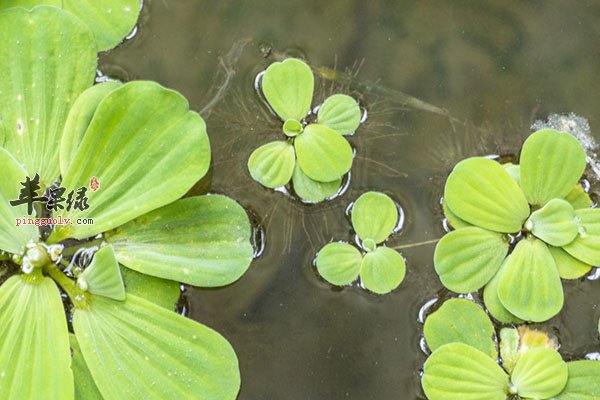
[[103, 276], [554, 223], [374, 216], [341, 113]]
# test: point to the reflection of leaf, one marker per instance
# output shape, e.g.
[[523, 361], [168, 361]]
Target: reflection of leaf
[[288, 87], [374, 216], [382, 270], [568, 266], [583, 383], [554, 223], [272, 164], [339, 263], [311, 190], [540, 373], [103, 276], [162, 292], [341, 113], [586, 246]]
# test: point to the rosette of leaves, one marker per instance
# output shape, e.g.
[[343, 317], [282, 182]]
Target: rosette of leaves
[[463, 362], [380, 268], [315, 155], [542, 206], [146, 149]]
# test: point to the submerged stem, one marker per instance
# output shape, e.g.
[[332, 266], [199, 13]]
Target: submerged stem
[[416, 244]]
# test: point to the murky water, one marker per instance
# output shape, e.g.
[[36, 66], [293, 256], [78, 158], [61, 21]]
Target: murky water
[[496, 66]]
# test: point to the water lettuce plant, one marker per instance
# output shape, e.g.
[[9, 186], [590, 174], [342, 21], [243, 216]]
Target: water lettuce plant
[[463, 361], [134, 150], [380, 268], [315, 155], [519, 229]]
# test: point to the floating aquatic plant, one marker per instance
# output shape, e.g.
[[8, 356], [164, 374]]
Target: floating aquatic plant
[[138, 148], [538, 204], [381, 269], [463, 363], [315, 155]]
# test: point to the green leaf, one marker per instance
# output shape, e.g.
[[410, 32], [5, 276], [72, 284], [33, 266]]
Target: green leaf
[[146, 149], [292, 128], [28, 4], [539, 374], [509, 347], [460, 321], [339, 263], [457, 371], [482, 193], [466, 259], [202, 241], [85, 387], [579, 198], [494, 305], [311, 190], [454, 221], [514, 171], [162, 292], [158, 354], [13, 238], [34, 351], [288, 87], [530, 286], [103, 276], [323, 154], [79, 119], [272, 164], [382, 270], [586, 246], [374, 216], [568, 266], [340, 113], [47, 58], [583, 383], [551, 164], [554, 223]]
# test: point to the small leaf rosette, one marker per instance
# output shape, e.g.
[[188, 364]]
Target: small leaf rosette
[[315, 155], [538, 204], [381, 269], [463, 361]]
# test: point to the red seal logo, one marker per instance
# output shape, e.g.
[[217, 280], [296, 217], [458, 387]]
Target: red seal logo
[[94, 184]]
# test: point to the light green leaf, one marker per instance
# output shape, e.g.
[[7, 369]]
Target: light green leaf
[[13, 238], [323, 154], [272, 164], [568, 266], [460, 321], [158, 354], [514, 171], [539, 374], [288, 87], [466, 259], [374, 216], [162, 292], [146, 149], [551, 164], [292, 128], [382, 270], [85, 387], [34, 350], [494, 305], [554, 223], [530, 286], [311, 190], [47, 57], [339, 263], [29, 4], [586, 246], [482, 193], [454, 221], [202, 241], [103, 276], [341, 113], [509, 347], [583, 383], [457, 371], [579, 198], [79, 119]]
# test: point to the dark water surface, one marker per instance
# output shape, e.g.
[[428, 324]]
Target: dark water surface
[[496, 66]]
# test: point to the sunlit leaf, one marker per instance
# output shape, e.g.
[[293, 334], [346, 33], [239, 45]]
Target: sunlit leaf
[[509, 347], [47, 57], [28, 3], [482, 193], [493, 303], [311, 190], [146, 149], [452, 218], [514, 171], [551, 164], [85, 387], [103, 275], [341, 113], [457, 371], [323, 154], [568, 266], [162, 292], [586, 246], [288, 87], [158, 354], [579, 198], [292, 128], [554, 223], [374, 216], [202, 241], [382, 270], [462, 321], [530, 286], [272, 164], [34, 351], [539, 374], [466, 259], [339, 263], [583, 383]]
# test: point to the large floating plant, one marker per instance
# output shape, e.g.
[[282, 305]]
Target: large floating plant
[[315, 155], [519, 229]]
